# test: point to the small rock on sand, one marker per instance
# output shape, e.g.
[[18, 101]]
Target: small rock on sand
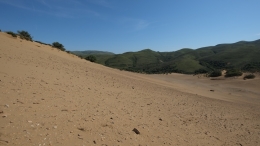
[[136, 131]]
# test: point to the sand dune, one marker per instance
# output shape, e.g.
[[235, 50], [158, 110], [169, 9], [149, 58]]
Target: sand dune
[[50, 97]]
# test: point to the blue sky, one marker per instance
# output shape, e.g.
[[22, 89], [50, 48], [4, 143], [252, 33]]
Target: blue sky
[[131, 25]]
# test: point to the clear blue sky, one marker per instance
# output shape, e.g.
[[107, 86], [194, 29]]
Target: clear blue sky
[[131, 25]]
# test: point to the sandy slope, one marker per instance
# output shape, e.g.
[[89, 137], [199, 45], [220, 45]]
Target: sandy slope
[[49, 97]]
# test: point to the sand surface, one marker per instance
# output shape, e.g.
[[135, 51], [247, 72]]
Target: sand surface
[[50, 97]]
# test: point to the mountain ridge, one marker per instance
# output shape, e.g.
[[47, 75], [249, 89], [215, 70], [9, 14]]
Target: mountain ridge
[[91, 52], [237, 55]]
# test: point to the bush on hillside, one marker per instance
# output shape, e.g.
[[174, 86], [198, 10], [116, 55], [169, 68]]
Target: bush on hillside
[[58, 46], [41, 43], [233, 73], [250, 76], [215, 73], [12, 33], [24, 35], [213, 64], [80, 56], [200, 71], [251, 67], [91, 58]]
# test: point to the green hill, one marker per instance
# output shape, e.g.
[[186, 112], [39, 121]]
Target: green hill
[[101, 56], [241, 55], [91, 52]]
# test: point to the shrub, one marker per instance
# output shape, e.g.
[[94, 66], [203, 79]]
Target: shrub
[[81, 57], [58, 46], [12, 33], [200, 71], [252, 67], [233, 72], [215, 73], [40, 42], [24, 35], [250, 76], [91, 58]]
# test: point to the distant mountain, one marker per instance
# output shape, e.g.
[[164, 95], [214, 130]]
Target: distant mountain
[[101, 56], [241, 55], [91, 52]]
